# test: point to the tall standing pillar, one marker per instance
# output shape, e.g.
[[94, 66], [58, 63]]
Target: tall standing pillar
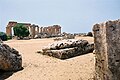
[[37, 29], [33, 31], [59, 30], [41, 29], [8, 31], [107, 50], [30, 31]]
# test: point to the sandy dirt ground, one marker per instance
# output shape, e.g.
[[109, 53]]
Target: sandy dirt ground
[[41, 67]]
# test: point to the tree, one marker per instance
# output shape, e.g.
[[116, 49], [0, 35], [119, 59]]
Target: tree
[[3, 36], [90, 34], [21, 31]]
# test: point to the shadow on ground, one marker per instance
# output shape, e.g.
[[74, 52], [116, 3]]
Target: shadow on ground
[[6, 74], [76, 56]]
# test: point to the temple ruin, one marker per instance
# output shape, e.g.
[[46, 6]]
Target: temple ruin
[[34, 29]]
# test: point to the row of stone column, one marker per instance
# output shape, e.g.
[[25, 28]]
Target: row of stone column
[[51, 30], [35, 29]]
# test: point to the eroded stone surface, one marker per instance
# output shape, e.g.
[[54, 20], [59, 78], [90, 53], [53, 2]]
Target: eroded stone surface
[[68, 48], [107, 50], [10, 59]]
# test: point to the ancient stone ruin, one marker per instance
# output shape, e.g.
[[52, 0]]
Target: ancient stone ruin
[[68, 36], [10, 59], [67, 48], [35, 29], [107, 50]]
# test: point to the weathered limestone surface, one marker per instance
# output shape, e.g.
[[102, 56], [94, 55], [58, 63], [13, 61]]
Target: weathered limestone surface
[[10, 59], [107, 50], [68, 48]]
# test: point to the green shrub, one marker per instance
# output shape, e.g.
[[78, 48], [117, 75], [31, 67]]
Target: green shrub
[[3, 36], [9, 37], [21, 31]]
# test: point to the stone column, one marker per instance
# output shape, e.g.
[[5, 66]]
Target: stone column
[[59, 30], [45, 29], [8, 31], [49, 30], [53, 30], [30, 31], [41, 29], [37, 29], [107, 50], [33, 31]]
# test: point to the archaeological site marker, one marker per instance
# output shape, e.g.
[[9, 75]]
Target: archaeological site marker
[[107, 50]]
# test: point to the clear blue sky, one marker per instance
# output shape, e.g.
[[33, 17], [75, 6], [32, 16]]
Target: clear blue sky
[[74, 16]]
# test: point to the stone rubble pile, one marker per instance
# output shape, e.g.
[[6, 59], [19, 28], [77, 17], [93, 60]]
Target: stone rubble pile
[[67, 48], [10, 59], [68, 36]]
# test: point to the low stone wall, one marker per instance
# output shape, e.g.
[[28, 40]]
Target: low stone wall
[[68, 48]]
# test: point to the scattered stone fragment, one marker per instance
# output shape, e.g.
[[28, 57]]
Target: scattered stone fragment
[[10, 59]]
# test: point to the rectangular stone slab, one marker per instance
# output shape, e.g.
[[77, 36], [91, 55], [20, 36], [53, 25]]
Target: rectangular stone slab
[[69, 52]]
